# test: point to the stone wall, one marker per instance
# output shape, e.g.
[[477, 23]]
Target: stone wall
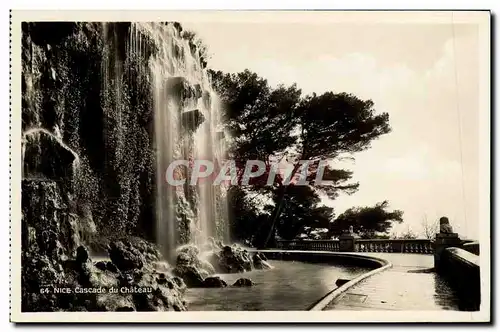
[[461, 268]]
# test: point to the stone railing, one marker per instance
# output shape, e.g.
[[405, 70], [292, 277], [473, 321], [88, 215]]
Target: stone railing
[[319, 245], [418, 246], [361, 245]]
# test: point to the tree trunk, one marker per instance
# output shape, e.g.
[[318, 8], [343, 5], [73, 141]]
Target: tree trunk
[[279, 206], [275, 215]]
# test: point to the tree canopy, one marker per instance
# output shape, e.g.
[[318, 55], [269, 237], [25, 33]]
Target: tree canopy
[[367, 221], [276, 124]]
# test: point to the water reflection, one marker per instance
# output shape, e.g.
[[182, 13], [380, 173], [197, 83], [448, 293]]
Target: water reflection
[[289, 286]]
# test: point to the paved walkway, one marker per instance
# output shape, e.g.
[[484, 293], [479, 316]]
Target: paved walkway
[[405, 286]]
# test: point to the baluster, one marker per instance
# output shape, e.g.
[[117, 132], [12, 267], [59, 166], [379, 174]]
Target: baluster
[[420, 248]]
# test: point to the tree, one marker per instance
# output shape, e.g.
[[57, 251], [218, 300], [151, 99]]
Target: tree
[[302, 209], [408, 234], [429, 228], [367, 221], [271, 124], [244, 219]]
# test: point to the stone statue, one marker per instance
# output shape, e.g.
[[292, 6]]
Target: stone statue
[[444, 225], [351, 230]]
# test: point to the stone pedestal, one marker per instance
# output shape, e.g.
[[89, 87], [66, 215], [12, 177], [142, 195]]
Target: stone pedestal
[[443, 241], [346, 242]]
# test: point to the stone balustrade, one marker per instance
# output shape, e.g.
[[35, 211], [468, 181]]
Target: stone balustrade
[[318, 245], [419, 246]]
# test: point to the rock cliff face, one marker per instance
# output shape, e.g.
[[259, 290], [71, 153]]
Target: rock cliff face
[[72, 95], [90, 164]]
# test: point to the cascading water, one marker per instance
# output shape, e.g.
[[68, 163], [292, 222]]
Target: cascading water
[[91, 99], [186, 121]]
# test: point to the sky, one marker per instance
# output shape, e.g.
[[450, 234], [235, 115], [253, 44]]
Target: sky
[[426, 76]]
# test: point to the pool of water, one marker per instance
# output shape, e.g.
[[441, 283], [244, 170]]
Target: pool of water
[[289, 286]]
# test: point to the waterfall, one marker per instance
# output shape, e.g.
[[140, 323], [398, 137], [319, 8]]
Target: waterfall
[[109, 106], [183, 97]]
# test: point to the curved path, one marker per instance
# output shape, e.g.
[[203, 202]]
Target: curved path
[[407, 285]]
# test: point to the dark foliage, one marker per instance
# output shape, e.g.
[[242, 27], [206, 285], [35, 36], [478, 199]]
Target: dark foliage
[[367, 221], [273, 124]]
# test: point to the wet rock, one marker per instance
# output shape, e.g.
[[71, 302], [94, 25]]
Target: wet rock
[[243, 282], [46, 156], [179, 282], [213, 282], [125, 257], [181, 90], [191, 276], [161, 266], [232, 259], [43, 33], [260, 263], [82, 255], [184, 258], [161, 279], [198, 90], [191, 120], [207, 100], [125, 309], [100, 265], [111, 267], [220, 135]]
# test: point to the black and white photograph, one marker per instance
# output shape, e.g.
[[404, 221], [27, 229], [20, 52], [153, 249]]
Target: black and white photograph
[[233, 166]]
